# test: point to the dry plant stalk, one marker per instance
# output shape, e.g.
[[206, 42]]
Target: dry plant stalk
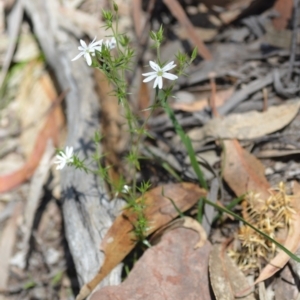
[[274, 214]]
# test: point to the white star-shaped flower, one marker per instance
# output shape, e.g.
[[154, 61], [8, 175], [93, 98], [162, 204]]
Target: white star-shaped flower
[[88, 50], [64, 157], [159, 73], [111, 44]]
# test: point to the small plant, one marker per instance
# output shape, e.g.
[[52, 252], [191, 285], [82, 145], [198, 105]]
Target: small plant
[[113, 57]]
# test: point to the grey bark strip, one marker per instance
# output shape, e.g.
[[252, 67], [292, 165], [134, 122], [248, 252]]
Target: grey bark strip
[[86, 209]]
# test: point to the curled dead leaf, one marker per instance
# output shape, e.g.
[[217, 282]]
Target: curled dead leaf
[[247, 125]]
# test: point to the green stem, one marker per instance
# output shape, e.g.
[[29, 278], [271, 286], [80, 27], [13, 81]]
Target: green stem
[[187, 143]]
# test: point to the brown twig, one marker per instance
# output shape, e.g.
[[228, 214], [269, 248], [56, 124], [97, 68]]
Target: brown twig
[[265, 96]]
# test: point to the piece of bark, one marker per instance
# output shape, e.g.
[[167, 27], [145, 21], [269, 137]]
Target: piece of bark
[[86, 209], [14, 22], [7, 243]]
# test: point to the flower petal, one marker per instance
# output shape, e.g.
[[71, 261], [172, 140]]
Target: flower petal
[[79, 55], [169, 76], [150, 73], [69, 151], [156, 82], [112, 43], [98, 48], [88, 59], [151, 77], [169, 66], [61, 166], [160, 82], [106, 43], [83, 44], [154, 66], [58, 160], [98, 43]]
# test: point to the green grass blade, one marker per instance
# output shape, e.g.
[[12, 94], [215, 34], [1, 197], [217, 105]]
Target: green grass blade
[[200, 210], [187, 143], [231, 205], [180, 213]]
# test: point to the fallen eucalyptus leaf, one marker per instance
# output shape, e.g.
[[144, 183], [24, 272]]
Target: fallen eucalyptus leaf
[[186, 222], [242, 171], [246, 126], [120, 238], [172, 269]]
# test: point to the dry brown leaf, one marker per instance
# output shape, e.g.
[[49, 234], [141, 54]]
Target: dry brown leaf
[[33, 100], [137, 17], [285, 10], [292, 242], [50, 130], [249, 125], [225, 277], [242, 171], [144, 99], [191, 107], [220, 99], [206, 34], [120, 238], [171, 269]]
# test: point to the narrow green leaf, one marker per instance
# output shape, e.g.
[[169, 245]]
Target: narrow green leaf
[[231, 205], [200, 210], [187, 143]]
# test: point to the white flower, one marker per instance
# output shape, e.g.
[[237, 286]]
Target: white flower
[[159, 73], [64, 157], [88, 50], [126, 189], [111, 44]]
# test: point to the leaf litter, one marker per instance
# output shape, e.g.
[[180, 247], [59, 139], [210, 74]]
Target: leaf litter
[[255, 105]]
